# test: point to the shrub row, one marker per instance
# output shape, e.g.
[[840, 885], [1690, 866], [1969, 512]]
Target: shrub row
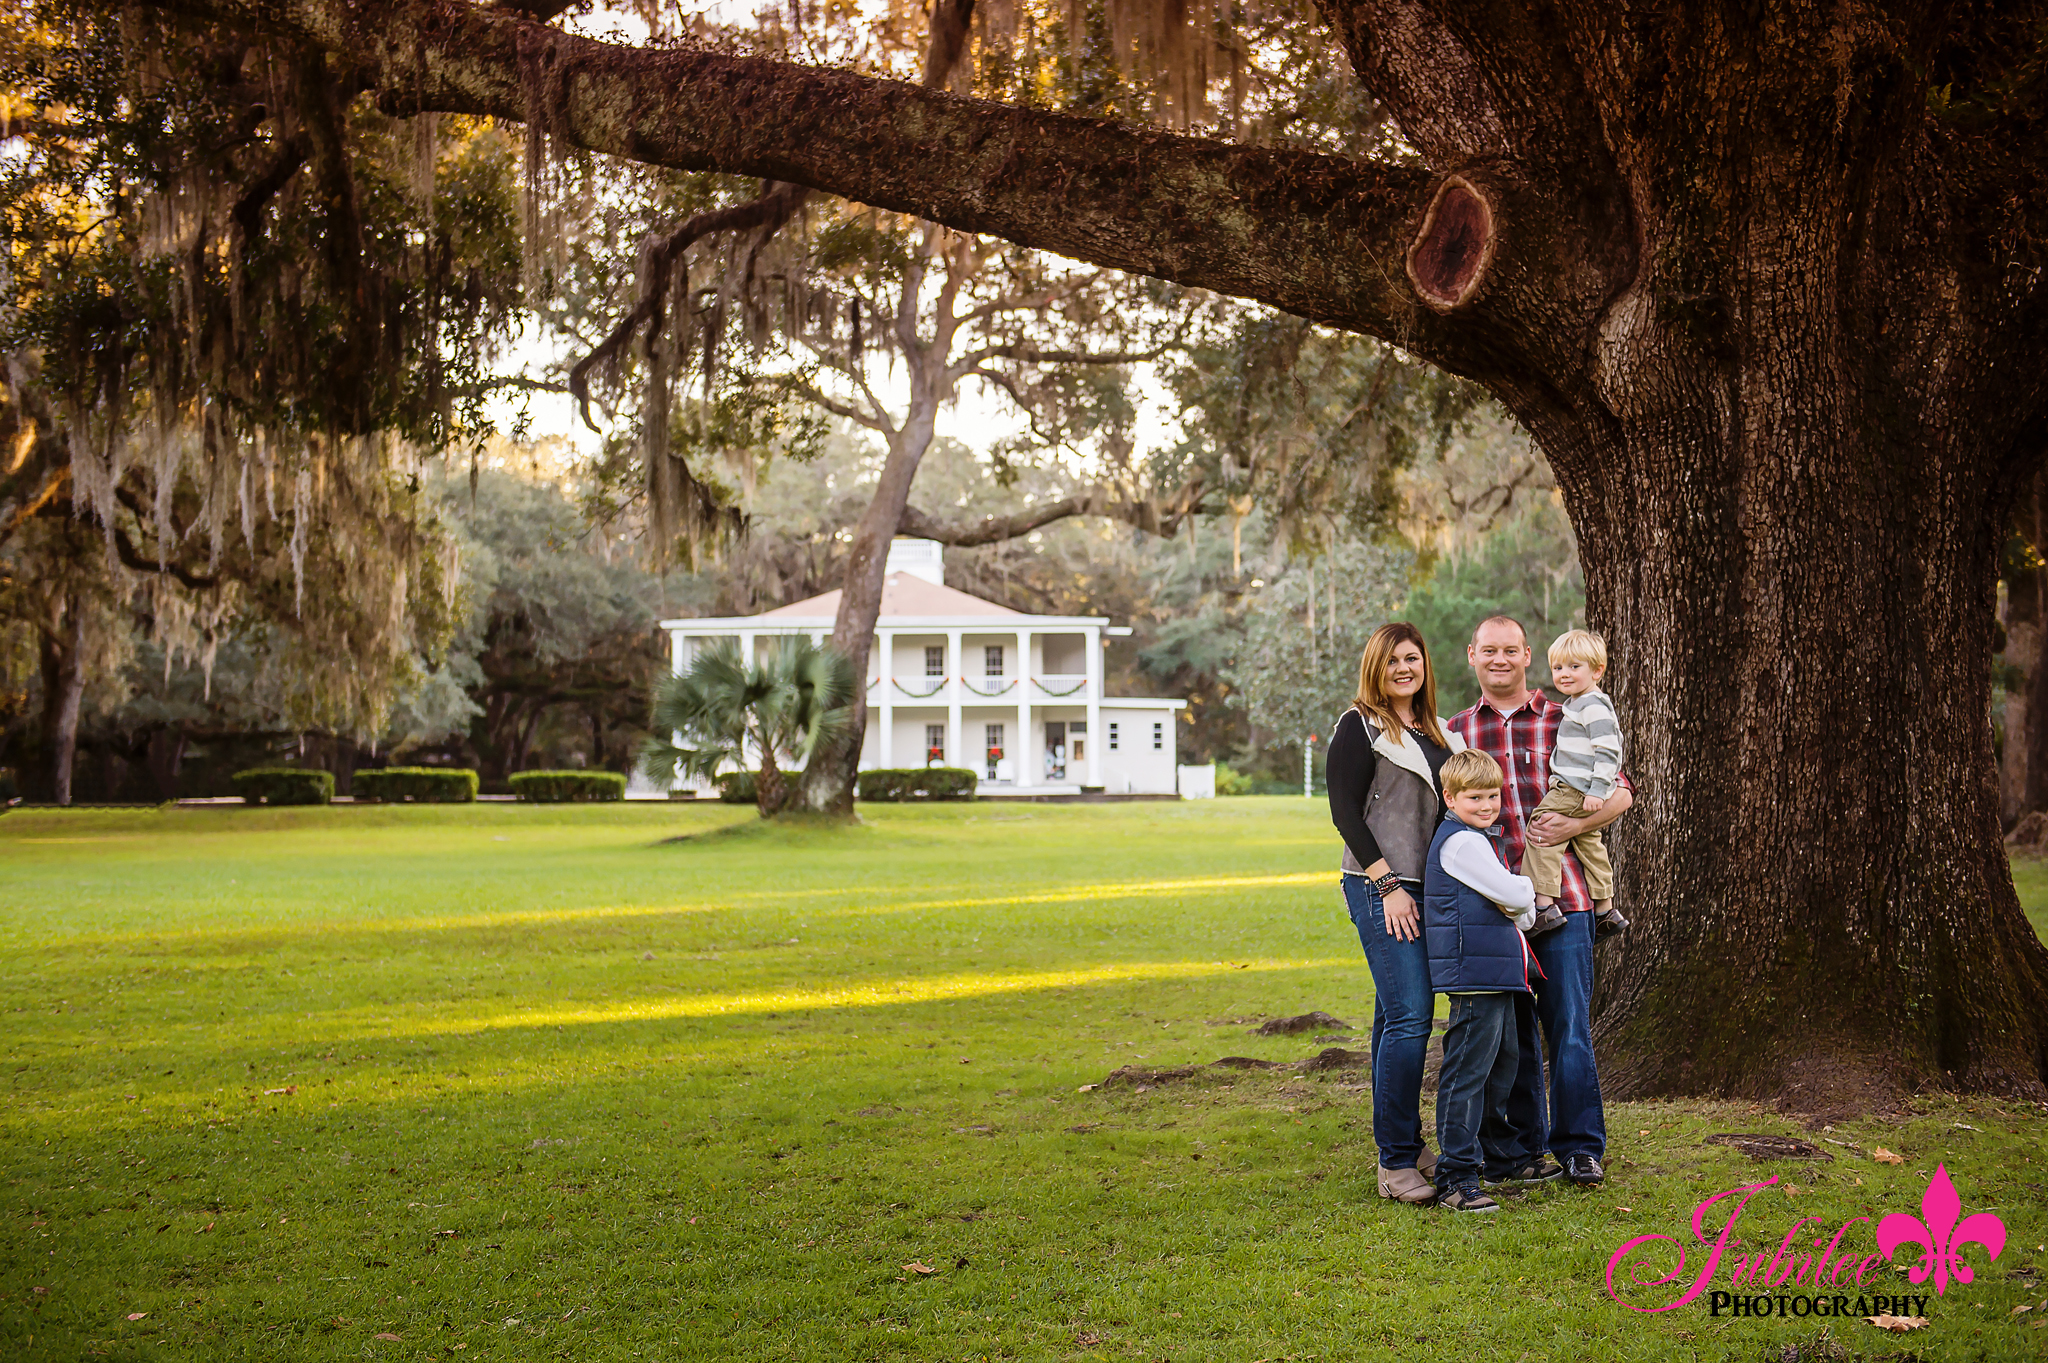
[[430, 785], [285, 785], [559, 787], [738, 788], [916, 783]]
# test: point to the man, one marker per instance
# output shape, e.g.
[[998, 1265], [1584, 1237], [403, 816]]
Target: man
[[1517, 728]]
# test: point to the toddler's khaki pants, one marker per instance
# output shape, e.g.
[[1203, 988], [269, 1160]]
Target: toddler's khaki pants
[[1545, 865]]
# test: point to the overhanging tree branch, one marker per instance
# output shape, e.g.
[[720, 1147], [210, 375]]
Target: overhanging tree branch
[[1319, 236]]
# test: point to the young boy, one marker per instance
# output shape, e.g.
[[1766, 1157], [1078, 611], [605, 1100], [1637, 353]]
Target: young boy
[[1473, 913], [1583, 769]]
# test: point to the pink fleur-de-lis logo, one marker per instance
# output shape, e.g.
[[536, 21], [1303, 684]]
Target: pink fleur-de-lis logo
[[1939, 1235]]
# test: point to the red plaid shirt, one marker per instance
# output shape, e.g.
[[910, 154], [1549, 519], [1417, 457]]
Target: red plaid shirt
[[1521, 743]]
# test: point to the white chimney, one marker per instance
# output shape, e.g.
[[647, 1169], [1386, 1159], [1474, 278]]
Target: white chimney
[[919, 558]]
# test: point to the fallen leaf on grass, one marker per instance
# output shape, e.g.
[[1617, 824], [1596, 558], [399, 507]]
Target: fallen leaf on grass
[[1898, 1324], [916, 1266], [1088, 1088], [2021, 1310], [1884, 1156], [1624, 1209], [137, 1315], [288, 1090], [388, 1335]]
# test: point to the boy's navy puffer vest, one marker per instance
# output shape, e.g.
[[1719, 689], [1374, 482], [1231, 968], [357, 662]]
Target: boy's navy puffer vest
[[1474, 948]]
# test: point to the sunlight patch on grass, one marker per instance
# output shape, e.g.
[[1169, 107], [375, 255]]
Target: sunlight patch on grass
[[342, 924], [875, 994]]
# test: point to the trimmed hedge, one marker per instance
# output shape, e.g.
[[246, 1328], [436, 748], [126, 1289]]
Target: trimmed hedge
[[916, 783], [285, 785], [429, 785], [738, 788], [559, 787]]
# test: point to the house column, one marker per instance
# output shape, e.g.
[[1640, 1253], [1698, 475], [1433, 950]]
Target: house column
[[1094, 777], [885, 649], [955, 671], [1020, 748]]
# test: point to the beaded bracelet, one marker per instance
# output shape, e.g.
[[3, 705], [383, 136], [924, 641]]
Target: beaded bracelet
[[1387, 883]]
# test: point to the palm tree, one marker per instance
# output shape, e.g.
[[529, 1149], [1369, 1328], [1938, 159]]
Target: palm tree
[[782, 705]]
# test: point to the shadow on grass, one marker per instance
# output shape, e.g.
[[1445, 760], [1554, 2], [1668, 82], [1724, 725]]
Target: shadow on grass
[[781, 830]]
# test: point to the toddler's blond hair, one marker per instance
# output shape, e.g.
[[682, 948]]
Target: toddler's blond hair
[[1469, 770], [1579, 646]]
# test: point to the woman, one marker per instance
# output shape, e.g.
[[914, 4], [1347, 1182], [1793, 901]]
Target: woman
[[1385, 754]]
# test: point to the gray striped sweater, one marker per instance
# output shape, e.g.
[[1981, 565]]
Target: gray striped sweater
[[1588, 753]]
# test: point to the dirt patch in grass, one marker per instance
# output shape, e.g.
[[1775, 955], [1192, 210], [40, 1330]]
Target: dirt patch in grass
[[1141, 1078], [1759, 1146], [1317, 1020]]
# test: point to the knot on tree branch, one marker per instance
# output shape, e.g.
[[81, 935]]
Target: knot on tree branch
[[1447, 260]]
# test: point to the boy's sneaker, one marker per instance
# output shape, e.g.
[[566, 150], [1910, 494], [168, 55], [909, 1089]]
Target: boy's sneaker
[[1468, 1197], [1582, 1169], [1609, 924], [1536, 1171], [1548, 919]]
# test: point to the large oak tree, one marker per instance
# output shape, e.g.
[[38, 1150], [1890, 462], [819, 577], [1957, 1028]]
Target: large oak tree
[[1765, 280]]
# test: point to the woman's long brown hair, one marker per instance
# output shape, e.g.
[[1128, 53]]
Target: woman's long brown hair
[[1375, 702]]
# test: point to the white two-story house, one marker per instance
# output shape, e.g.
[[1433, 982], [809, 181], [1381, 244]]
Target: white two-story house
[[958, 681]]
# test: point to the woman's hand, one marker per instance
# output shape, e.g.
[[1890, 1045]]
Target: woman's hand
[[1404, 924]]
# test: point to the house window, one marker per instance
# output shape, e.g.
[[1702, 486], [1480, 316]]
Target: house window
[[992, 744], [1077, 739], [934, 744], [992, 661], [935, 660], [1112, 736], [1158, 736]]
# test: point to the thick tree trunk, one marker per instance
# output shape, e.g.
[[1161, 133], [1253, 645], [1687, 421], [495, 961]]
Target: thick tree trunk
[[165, 751], [1798, 580], [828, 781], [63, 666]]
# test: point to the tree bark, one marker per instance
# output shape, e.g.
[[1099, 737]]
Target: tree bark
[[166, 749], [828, 780], [63, 665]]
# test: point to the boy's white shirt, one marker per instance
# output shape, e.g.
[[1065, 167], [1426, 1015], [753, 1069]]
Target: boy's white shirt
[[1468, 857]]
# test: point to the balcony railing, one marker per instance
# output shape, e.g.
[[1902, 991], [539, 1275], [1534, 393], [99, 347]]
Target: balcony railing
[[1052, 687]]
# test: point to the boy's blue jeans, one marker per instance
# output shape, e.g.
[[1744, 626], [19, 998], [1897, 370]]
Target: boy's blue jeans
[[1482, 1053], [1402, 1010]]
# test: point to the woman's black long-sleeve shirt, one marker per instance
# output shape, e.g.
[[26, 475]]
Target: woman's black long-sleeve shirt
[[1352, 766]]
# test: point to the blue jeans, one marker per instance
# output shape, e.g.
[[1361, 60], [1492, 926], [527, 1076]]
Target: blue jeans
[[1482, 1056], [1573, 1121], [1402, 1010]]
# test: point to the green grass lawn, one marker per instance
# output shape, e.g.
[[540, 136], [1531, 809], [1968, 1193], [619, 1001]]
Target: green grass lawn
[[500, 1082]]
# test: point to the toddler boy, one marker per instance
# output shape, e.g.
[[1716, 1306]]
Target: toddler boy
[[1583, 768], [1473, 911]]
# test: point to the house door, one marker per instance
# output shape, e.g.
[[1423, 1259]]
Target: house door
[[1055, 750], [995, 766]]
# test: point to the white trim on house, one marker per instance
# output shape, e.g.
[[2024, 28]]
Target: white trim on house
[[1050, 693]]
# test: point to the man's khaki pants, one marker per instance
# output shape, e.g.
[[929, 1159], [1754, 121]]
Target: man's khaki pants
[[1545, 865]]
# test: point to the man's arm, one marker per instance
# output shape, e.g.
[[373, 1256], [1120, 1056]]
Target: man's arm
[[1466, 857], [1548, 830]]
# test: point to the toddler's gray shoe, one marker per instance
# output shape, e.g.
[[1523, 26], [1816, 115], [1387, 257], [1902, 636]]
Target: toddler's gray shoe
[[1549, 918], [1467, 1197]]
